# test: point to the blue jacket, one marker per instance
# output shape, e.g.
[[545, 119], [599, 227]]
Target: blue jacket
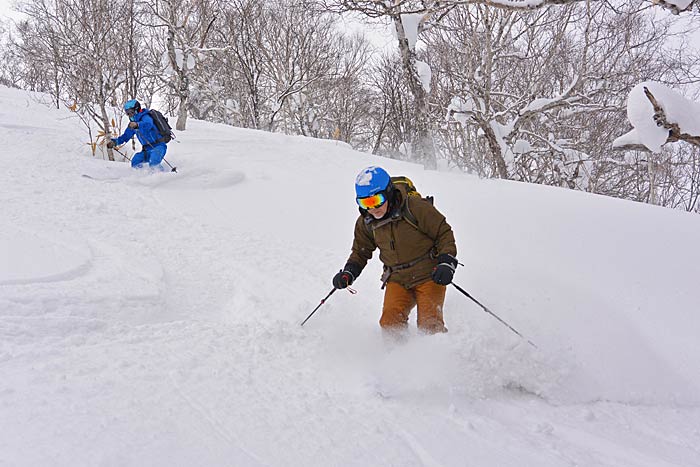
[[147, 133]]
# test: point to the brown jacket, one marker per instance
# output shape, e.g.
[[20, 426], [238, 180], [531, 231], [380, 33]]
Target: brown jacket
[[401, 243]]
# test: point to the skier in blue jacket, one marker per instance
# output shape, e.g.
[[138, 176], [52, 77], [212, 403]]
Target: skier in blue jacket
[[153, 148]]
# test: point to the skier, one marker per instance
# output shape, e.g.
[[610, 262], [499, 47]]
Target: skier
[[416, 246], [153, 147]]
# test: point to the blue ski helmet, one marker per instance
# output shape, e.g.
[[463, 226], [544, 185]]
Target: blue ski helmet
[[371, 181], [132, 104]]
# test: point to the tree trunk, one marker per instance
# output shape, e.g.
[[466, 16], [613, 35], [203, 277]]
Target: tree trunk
[[422, 144], [496, 152], [380, 133], [102, 102], [652, 180], [182, 85], [181, 123], [131, 85], [107, 129]]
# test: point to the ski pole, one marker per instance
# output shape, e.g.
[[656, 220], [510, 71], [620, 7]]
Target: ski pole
[[173, 169], [492, 313], [121, 154], [319, 305]]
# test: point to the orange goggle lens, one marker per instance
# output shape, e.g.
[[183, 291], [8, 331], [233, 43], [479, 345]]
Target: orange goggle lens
[[372, 202]]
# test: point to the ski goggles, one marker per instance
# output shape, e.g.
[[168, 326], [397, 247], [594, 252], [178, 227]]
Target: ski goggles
[[130, 112], [372, 202]]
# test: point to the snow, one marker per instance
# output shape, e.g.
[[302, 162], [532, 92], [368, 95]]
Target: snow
[[630, 138], [411, 23], [425, 73], [153, 318], [27, 257], [521, 146], [458, 109], [640, 113], [538, 104], [179, 59], [680, 4]]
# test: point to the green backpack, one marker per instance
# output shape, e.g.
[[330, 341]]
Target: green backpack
[[411, 191], [409, 186]]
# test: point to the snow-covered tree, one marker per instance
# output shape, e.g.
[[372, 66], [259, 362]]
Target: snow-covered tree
[[10, 74], [413, 18], [659, 115], [393, 109], [378, 8], [74, 48], [184, 27], [542, 88], [343, 105], [409, 19], [281, 66], [237, 87]]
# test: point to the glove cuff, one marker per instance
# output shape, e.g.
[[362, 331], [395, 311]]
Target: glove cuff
[[448, 260], [353, 268]]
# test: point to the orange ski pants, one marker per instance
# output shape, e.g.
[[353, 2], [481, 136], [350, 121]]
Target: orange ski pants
[[399, 301]]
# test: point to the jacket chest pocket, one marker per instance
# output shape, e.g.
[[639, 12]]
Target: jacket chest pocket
[[400, 242], [385, 238]]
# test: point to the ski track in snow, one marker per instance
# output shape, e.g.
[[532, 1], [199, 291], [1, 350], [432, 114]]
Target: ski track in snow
[[166, 329]]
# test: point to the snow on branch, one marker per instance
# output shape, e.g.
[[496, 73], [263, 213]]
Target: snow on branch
[[518, 4], [377, 8], [659, 115], [543, 104], [676, 6]]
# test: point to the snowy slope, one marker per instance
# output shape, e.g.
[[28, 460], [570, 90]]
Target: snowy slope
[[153, 319]]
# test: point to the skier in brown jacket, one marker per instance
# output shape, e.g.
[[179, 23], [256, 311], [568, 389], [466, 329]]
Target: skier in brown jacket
[[416, 246]]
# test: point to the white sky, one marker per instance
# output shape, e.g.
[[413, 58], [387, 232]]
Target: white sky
[[6, 9]]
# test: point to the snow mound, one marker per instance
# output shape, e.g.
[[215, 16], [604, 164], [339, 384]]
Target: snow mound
[[27, 257]]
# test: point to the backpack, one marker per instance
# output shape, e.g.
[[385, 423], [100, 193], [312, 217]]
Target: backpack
[[410, 187], [161, 123], [411, 191]]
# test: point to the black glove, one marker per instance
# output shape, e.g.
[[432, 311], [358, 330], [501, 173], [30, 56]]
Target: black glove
[[111, 144], [133, 125], [347, 275], [343, 279], [445, 270]]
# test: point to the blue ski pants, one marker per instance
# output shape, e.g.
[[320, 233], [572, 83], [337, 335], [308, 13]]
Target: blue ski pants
[[151, 155]]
